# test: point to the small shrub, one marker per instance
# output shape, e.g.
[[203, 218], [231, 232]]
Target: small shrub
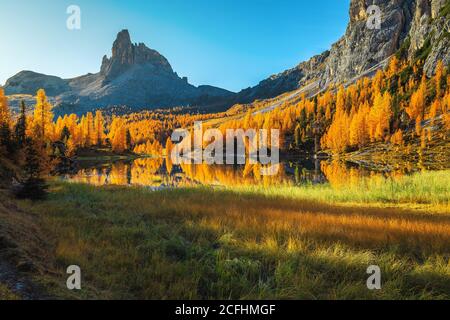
[[33, 188]]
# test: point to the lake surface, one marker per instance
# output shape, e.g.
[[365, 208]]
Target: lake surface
[[160, 173]]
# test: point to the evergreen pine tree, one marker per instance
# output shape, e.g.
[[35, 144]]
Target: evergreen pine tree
[[65, 134], [34, 186], [5, 122], [20, 127], [5, 136], [128, 140]]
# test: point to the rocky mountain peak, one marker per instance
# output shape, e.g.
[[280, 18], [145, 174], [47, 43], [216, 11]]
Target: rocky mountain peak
[[358, 10], [123, 48], [418, 27], [125, 54], [134, 76]]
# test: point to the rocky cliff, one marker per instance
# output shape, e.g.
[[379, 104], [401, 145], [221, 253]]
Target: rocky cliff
[[125, 55], [419, 26], [430, 33], [135, 76]]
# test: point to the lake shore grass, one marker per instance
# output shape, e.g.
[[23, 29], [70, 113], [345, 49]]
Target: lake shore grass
[[427, 190], [310, 242]]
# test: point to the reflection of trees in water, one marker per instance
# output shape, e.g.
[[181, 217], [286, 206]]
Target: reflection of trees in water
[[97, 176], [119, 173], [232, 175], [341, 174], [146, 171], [306, 173], [158, 172], [161, 172]]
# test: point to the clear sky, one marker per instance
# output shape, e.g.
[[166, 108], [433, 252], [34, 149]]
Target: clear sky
[[232, 44]]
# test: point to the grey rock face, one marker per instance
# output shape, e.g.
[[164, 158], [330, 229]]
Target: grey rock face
[[436, 6], [28, 82], [125, 55], [362, 49], [420, 26], [440, 45], [431, 28], [135, 76]]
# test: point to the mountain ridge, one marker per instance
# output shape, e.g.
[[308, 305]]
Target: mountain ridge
[[418, 28], [131, 68], [404, 23]]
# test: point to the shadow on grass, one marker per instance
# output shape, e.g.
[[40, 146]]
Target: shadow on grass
[[215, 243]]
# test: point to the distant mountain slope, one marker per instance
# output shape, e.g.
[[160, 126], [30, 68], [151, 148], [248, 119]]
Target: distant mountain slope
[[135, 76], [28, 82], [139, 77], [419, 27]]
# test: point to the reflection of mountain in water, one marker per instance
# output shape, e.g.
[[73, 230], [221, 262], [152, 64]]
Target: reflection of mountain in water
[[159, 172]]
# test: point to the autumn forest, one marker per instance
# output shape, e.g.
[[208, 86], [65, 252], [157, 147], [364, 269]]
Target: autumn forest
[[358, 208]]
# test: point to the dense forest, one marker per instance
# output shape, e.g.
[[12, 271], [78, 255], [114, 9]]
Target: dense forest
[[142, 227], [398, 106]]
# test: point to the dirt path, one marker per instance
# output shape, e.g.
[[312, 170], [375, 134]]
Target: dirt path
[[18, 283], [22, 247]]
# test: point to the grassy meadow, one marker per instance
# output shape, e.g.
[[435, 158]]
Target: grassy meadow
[[310, 242]]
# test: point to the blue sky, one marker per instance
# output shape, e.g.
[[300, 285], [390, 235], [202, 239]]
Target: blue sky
[[232, 44]]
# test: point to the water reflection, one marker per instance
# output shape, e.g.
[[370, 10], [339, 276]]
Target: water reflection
[[159, 172]]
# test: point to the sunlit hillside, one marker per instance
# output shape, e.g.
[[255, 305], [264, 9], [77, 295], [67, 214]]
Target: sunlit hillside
[[327, 181]]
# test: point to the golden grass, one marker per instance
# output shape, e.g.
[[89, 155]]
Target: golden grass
[[203, 243]]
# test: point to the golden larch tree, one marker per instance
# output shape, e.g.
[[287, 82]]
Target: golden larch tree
[[99, 128], [5, 114], [42, 116]]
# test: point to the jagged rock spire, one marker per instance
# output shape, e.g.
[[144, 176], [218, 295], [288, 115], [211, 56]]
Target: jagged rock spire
[[125, 54]]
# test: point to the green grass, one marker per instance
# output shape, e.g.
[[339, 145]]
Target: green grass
[[250, 243], [425, 188]]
